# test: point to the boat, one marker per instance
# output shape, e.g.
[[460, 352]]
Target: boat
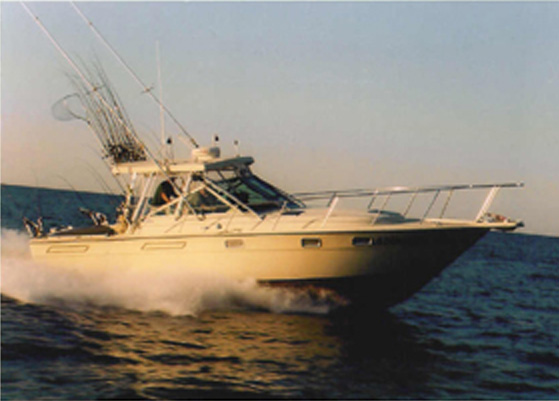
[[221, 218], [212, 214]]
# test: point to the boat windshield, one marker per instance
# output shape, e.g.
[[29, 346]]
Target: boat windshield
[[257, 193]]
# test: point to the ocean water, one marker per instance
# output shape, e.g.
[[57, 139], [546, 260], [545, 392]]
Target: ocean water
[[486, 328]]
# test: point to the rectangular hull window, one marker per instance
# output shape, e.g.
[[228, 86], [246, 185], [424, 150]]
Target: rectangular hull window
[[234, 243], [68, 249], [362, 241], [311, 242], [159, 246]]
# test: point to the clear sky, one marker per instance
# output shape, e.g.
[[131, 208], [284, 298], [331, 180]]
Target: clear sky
[[323, 95]]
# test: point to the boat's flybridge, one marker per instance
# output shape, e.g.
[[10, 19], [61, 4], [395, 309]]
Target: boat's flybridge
[[203, 185], [208, 187]]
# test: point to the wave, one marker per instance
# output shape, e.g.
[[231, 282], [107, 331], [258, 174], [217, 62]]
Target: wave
[[172, 290]]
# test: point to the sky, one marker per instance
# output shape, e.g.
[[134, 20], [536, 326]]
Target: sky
[[323, 95]]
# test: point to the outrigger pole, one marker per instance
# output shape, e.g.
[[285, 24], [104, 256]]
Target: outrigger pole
[[105, 103], [145, 88], [92, 88]]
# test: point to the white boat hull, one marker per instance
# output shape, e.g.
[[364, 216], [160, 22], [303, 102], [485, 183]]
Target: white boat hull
[[375, 267]]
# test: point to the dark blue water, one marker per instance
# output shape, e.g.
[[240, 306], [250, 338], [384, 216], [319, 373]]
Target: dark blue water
[[487, 328]]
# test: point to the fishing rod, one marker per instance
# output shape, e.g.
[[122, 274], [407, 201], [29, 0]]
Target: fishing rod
[[106, 165], [115, 202], [75, 191], [144, 87], [99, 121], [98, 218], [36, 229], [103, 101], [94, 89], [17, 209], [102, 183]]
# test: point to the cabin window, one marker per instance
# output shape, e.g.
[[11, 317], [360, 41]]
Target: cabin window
[[234, 243], [311, 243], [256, 193], [362, 241]]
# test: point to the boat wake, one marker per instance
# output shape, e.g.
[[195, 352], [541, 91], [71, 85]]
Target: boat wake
[[167, 289]]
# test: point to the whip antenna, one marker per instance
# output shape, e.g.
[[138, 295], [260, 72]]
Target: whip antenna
[[161, 114], [145, 88]]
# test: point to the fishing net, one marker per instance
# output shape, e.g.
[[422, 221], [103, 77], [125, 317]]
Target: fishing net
[[66, 109], [96, 103]]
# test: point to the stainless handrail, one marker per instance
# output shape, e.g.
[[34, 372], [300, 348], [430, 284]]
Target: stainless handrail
[[355, 193], [414, 191]]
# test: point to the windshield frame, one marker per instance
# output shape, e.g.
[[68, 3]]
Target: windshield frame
[[259, 195]]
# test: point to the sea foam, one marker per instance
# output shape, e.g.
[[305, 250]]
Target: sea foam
[[168, 289]]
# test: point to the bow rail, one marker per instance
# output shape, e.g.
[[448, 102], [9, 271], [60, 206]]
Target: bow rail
[[353, 193], [334, 195]]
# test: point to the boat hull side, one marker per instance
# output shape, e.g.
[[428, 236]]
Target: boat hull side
[[379, 268], [396, 273]]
